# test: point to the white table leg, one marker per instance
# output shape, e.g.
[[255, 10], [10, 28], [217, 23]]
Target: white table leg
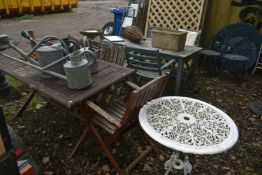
[[175, 163], [187, 166]]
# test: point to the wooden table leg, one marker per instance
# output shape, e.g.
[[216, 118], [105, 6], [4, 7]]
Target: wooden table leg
[[87, 117], [23, 108], [80, 141], [139, 158], [114, 137]]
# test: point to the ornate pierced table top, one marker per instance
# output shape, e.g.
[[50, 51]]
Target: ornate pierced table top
[[188, 125]]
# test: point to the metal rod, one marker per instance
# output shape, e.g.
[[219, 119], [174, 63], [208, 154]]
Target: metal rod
[[35, 67], [23, 54], [54, 63]]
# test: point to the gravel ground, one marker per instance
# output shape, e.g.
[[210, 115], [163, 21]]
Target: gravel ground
[[52, 132], [88, 14]]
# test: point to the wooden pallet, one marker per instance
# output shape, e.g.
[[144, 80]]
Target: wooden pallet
[[175, 14]]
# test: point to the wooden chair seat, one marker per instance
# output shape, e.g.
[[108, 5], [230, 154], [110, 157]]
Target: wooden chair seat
[[116, 111]]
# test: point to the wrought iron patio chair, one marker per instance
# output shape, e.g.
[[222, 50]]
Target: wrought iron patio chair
[[118, 117], [238, 39]]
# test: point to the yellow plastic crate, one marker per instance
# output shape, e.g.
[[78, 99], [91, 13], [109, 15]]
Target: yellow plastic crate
[[8, 7]]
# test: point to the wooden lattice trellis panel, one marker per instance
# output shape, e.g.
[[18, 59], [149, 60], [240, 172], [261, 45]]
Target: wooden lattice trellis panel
[[174, 14]]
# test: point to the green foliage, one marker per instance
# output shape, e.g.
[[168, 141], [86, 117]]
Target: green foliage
[[24, 17], [254, 173], [15, 83], [14, 100], [35, 101]]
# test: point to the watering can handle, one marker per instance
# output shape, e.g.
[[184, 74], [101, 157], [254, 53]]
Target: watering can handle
[[92, 59]]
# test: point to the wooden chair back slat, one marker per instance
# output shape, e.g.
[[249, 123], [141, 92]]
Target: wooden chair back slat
[[113, 53], [121, 55], [147, 92]]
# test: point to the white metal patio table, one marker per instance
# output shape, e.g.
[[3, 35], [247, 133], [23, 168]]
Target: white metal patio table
[[189, 126]]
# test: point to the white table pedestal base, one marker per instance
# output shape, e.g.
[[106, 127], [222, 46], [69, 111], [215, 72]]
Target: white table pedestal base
[[175, 163]]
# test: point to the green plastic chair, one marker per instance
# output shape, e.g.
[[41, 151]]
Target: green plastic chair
[[147, 62]]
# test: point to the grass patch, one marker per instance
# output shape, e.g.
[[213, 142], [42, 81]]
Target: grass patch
[[39, 16], [15, 83], [35, 101], [24, 17]]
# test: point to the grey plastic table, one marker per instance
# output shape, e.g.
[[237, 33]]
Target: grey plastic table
[[189, 53], [189, 126]]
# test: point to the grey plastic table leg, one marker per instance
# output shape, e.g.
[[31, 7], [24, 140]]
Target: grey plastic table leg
[[179, 75], [192, 72]]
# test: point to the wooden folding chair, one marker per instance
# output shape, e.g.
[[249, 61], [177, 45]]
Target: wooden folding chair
[[113, 53], [117, 117]]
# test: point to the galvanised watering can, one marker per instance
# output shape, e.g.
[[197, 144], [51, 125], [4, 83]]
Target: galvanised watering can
[[48, 54], [78, 69]]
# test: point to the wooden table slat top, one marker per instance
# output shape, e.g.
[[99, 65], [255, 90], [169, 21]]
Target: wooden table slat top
[[57, 89]]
